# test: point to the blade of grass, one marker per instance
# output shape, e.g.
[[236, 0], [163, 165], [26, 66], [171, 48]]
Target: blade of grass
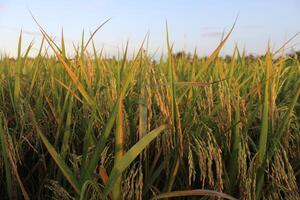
[[4, 149], [69, 175], [67, 132], [68, 69], [129, 157], [176, 127], [283, 125], [63, 47], [263, 138], [119, 151], [93, 34], [18, 71], [236, 143], [104, 136], [197, 192], [210, 59], [216, 52]]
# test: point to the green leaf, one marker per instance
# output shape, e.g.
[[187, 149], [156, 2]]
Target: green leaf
[[263, 139], [127, 159], [56, 157], [4, 149]]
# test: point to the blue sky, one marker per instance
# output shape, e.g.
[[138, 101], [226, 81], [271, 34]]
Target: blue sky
[[192, 24]]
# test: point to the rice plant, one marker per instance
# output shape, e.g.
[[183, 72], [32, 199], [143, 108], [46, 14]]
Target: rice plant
[[94, 127]]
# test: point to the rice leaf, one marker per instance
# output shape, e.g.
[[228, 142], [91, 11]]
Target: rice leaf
[[129, 157], [197, 192]]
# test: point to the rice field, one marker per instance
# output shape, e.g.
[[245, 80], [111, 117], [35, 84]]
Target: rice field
[[93, 127]]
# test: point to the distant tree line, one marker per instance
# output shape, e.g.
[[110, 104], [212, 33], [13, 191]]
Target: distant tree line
[[227, 58]]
